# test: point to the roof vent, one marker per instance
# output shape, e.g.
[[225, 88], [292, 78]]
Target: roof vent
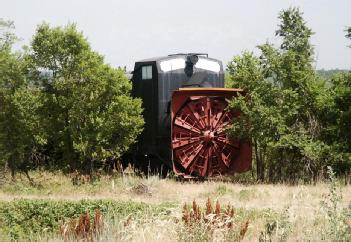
[[191, 60]]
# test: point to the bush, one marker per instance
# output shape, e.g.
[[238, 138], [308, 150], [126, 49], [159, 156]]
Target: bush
[[24, 218]]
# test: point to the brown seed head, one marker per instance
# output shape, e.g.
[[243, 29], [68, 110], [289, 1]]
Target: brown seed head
[[218, 208], [209, 208], [98, 221], [243, 230]]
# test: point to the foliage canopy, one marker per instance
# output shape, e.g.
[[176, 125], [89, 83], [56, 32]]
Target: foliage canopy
[[288, 108], [61, 99]]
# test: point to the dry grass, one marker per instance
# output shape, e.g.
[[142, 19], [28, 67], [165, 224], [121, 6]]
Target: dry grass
[[293, 213], [154, 190]]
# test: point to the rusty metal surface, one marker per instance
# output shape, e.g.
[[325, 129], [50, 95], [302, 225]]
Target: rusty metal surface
[[200, 146]]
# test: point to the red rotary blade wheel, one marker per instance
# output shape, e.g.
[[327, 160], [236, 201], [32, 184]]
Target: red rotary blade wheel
[[200, 144]]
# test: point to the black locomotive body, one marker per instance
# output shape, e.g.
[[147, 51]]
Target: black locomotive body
[[155, 80]]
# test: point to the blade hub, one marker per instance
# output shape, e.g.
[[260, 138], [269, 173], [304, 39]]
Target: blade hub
[[208, 136]]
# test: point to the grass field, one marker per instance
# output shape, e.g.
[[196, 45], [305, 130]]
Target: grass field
[[152, 209]]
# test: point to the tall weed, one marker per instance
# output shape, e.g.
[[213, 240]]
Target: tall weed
[[338, 219]]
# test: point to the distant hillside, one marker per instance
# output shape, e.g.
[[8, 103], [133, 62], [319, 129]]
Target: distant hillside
[[327, 74]]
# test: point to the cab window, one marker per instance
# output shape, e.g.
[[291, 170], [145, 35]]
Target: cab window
[[146, 72]]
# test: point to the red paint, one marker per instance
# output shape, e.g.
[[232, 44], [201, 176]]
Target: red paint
[[200, 146]]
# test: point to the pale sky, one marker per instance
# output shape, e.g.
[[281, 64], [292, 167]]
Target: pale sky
[[127, 31]]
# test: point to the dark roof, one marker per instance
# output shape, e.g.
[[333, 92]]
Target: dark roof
[[160, 58]]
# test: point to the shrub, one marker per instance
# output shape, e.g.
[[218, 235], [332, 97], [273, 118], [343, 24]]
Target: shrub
[[24, 218]]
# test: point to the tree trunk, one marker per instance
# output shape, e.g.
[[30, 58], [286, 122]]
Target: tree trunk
[[12, 166], [261, 154], [259, 163], [69, 151]]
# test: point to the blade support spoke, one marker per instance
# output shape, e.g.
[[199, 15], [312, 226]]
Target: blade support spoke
[[199, 142]]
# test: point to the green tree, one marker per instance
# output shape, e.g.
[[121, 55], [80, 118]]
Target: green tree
[[284, 103], [338, 133], [7, 38], [21, 134], [337, 120], [88, 112], [304, 150], [348, 32], [265, 108]]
